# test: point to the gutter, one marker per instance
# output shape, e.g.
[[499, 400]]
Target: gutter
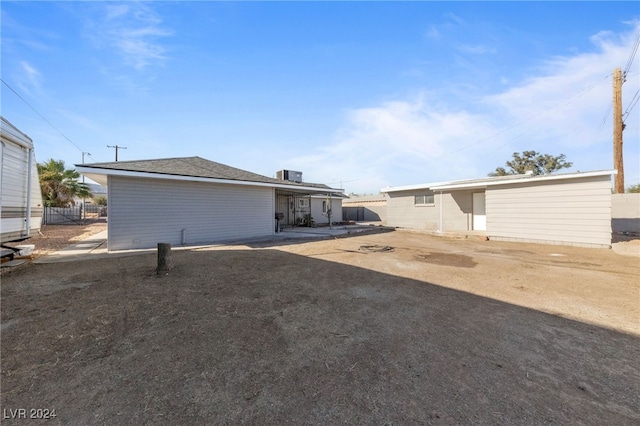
[[90, 170]]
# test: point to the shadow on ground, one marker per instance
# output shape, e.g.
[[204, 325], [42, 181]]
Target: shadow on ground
[[268, 337]]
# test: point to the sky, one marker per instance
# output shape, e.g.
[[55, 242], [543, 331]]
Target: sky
[[355, 95]]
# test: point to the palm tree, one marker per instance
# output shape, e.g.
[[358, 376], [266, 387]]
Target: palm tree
[[59, 186]]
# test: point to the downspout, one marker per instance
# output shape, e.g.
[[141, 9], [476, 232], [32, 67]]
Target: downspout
[[441, 230], [330, 211], [28, 216]]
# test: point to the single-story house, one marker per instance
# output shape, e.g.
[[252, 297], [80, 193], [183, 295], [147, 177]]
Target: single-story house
[[191, 200], [571, 208]]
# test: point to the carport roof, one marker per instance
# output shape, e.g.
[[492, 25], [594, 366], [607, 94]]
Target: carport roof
[[194, 169], [496, 180]]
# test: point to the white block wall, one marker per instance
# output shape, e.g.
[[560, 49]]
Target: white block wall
[[625, 212], [456, 211]]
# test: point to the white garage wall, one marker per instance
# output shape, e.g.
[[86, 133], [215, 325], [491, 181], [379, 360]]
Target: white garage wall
[[144, 212], [575, 212]]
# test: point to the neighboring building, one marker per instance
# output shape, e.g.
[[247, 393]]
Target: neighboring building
[[365, 208], [189, 201], [97, 190], [625, 213], [573, 208]]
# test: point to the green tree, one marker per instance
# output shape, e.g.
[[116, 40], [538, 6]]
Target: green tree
[[539, 164], [100, 200], [634, 189], [59, 186]]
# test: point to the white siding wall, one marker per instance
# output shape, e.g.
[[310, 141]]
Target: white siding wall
[[576, 212], [456, 211], [145, 212]]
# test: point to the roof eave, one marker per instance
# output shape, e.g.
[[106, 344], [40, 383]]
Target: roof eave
[[491, 181], [94, 173], [522, 180]]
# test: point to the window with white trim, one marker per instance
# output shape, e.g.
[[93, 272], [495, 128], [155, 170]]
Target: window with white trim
[[427, 199]]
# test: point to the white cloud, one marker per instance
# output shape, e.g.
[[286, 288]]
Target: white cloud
[[30, 79], [476, 49], [433, 33], [116, 11], [133, 31], [570, 94], [377, 145], [560, 110]]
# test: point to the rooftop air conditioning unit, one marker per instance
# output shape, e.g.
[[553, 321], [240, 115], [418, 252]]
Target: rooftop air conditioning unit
[[290, 175]]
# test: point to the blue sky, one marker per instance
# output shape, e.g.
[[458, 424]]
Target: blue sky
[[358, 95]]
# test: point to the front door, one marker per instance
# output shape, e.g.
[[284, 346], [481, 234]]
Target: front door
[[479, 212]]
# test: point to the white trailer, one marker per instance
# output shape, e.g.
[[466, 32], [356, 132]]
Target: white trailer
[[20, 198]]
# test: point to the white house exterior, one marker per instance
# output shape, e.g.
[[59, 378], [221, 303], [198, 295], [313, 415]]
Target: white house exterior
[[572, 208], [188, 201]]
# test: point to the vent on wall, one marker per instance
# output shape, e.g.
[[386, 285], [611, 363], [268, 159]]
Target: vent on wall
[[289, 175]]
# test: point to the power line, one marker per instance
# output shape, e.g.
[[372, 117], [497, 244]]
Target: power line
[[634, 102], [632, 56], [41, 116], [352, 180], [606, 117], [565, 101], [117, 147]]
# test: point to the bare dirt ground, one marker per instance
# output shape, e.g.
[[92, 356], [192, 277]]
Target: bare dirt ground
[[434, 331], [56, 237]]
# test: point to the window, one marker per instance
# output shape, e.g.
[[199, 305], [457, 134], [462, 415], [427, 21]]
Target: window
[[426, 199], [324, 206]]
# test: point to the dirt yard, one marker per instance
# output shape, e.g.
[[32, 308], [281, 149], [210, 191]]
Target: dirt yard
[[56, 237], [433, 331]]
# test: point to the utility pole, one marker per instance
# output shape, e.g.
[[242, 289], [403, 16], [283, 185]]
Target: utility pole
[[116, 147], [618, 127]]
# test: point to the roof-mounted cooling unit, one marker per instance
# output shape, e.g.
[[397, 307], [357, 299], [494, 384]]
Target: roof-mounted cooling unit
[[290, 175]]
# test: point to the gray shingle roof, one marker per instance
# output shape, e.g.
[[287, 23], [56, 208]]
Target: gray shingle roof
[[184, 166], [194, 167]]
